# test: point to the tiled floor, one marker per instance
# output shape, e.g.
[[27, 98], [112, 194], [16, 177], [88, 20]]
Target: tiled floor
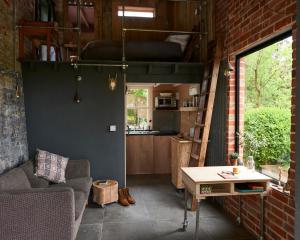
[[157, 215]]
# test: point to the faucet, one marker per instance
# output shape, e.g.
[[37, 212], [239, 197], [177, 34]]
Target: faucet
[[128, 128]]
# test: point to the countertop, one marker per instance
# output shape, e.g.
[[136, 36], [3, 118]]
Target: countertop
[[182, 140], [151, 132]]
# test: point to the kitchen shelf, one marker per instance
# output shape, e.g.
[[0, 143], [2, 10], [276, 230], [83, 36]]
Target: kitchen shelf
[[188, 109]]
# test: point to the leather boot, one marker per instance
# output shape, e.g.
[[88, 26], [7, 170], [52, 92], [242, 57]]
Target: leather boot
[[130, 199], [122, 198]]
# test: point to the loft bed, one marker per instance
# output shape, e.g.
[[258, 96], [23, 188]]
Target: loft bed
[[178, 47], [170, 55]]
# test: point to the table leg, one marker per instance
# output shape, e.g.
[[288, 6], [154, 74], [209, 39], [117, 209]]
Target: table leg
[[262, 216], [197, 220], [238, 219], [185, 221]]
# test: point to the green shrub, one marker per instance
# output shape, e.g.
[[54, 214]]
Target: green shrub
[[272, 126]]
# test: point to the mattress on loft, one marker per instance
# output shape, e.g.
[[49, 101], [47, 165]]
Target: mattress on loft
[[135, 51]]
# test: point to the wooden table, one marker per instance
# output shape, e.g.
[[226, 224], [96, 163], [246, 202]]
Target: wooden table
[[198, 179]]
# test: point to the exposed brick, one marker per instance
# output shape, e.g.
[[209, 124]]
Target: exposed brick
[[249, 24]]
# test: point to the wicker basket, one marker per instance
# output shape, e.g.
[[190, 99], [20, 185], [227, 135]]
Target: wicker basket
[[104, 193]]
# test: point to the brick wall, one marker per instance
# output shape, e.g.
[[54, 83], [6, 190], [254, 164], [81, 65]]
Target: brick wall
[[249, 23], [13, 140]]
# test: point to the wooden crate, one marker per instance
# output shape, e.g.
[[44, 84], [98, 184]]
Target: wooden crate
[[104, 193]]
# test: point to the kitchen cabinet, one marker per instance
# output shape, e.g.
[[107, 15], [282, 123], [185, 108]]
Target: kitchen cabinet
[[180, 155], [148, 154], [139, 154], [162, 154]]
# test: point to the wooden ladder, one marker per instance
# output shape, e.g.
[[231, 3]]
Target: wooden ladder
[[206, 104]]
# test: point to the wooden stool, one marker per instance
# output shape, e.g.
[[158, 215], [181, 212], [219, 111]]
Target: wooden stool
[[105, 192], [38, 30]]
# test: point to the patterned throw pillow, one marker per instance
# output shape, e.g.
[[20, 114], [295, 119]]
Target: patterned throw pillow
[[51, 166]]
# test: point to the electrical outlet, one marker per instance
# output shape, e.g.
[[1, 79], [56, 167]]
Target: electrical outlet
[[112, 128]]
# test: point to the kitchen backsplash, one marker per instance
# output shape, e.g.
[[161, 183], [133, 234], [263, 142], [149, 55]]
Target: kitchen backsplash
[[166, 120]]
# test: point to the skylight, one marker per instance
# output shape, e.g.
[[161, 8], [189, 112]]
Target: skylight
[[140, 12]]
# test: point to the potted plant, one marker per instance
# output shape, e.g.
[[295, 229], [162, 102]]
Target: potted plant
[[234, 158]]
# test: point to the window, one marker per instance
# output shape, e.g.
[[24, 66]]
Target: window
[[140, 12], [87, 15], [139, 107], [264, 86]]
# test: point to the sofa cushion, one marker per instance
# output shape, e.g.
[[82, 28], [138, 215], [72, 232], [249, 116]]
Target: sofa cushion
[[78, 184], [35, 182], [51, 166], [15, 179], [80, 202]]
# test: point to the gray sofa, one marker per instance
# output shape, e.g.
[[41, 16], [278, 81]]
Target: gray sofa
[[32, 208]]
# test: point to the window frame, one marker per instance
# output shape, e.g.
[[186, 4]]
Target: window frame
[[150, 102], [138, 10], [238, 58]]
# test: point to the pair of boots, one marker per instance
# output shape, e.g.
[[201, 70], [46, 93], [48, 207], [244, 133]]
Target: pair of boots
[[125, 199]]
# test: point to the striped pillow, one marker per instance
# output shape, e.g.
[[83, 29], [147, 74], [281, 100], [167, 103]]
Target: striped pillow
[[51, 166]]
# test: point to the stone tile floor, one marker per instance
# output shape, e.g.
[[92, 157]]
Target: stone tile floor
[[157, 215]]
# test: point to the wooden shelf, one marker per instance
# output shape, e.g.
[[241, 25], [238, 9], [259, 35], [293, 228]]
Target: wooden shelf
[[188, 109]]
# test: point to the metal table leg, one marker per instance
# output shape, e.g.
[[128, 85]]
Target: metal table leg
[[185, 221], [262, 216], [197, 220], [238, 219]]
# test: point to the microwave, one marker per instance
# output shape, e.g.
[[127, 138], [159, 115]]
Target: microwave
[[169, 102]]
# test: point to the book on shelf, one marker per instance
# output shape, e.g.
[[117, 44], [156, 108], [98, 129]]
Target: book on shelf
[[228, 175]]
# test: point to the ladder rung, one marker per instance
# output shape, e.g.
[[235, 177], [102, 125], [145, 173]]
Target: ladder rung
[[200, 124], [196, 157], [206, 93], [199, 141]]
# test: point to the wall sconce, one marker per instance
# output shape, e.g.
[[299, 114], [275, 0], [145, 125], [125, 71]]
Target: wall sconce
[[228, 68], [112, 82], [77, 98]]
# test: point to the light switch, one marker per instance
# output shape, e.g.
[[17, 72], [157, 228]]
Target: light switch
[[112, 128]]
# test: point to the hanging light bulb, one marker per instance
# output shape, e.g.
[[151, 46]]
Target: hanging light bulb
[[18, 87], [112, 82], [18, 91], [77, 98]]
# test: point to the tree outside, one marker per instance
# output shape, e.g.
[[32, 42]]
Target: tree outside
[[267, 115], [137, 107]]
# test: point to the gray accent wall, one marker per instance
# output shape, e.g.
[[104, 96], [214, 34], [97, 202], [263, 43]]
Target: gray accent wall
[[78, 131], [13, 139]]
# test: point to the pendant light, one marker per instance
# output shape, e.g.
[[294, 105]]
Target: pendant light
[[77, 98]]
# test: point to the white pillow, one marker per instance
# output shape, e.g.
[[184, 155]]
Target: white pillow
[[181, 39]]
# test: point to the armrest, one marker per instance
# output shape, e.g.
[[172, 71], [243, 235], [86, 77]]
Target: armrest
[[39, 213], [77, 169]]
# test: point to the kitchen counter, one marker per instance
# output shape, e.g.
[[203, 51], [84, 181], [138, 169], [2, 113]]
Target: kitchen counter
[[182, 140], [151, 132]]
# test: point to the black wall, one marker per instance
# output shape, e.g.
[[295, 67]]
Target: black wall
[[216, 150], [55, 123]]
